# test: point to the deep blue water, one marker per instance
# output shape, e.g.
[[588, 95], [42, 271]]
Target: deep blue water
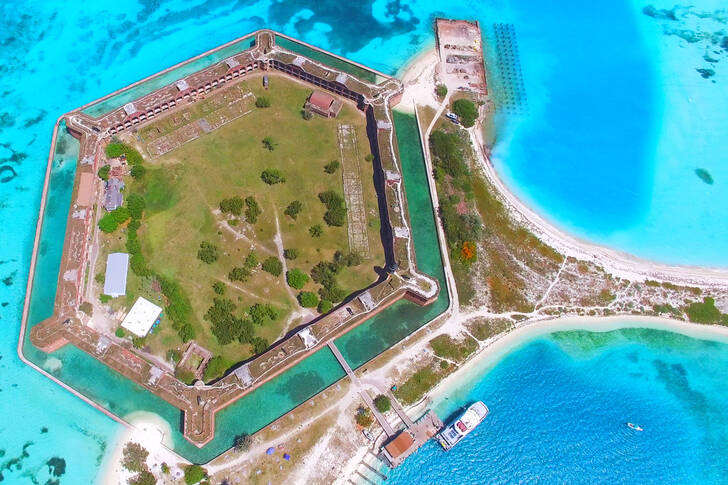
[[558, 408], [618, 120]]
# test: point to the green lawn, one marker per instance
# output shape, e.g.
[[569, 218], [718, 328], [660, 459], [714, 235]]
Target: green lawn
[[183, 189]]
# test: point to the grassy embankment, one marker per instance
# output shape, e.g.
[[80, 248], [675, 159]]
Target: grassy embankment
[[183, 190]]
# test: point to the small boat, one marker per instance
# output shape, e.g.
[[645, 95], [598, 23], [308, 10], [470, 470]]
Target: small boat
[[635, 427], [462, 425]]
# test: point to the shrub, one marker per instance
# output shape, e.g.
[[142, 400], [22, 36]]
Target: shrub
[[138, 342], [225, 326], [252, 210], [144, 477], [269, 143], [239, 273], [219, 287], [468, 252], [466, 110], [174, 355], [103, 172], [138, 265], [251, 260], [705, 312], [259, 344], [446, 153], [325, 306], [215, 368], [296, 278], [134, 457], [306, 114], [382, 403], [332, 166], [207, 252], [165, 468], [273, 266], [100, 278], [120, 332], [290, 253], [308, 299], [108, 223], [262, 102], [349, 259], [186, 332], [332, 293], [194, 474], [369, 157], [138, 171], [316, 230], [104, 298], [242, 442], [272, 176], [336, 208], [87, 308], [185, 375], [441, 90], [233, 205], [293, 209], [363, 417]]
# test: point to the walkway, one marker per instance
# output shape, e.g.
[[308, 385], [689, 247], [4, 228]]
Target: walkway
[[367, 399]]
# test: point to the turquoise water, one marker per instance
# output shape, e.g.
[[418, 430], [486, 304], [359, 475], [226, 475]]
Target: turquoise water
[[558, 408], [616, 108]]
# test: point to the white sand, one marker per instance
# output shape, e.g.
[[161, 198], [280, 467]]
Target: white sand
[[498, 347], [150, 431]]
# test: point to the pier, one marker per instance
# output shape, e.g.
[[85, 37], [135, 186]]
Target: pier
[[399, 444]]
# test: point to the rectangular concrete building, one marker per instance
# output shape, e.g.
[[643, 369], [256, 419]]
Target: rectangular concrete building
[[117, 266]]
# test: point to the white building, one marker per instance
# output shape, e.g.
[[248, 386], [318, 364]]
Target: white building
[[141, 317], [117, 266]]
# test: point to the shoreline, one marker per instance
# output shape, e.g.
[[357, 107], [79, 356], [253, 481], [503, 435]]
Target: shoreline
[[500, 346]]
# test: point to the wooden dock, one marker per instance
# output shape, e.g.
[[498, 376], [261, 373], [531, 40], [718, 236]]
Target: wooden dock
[[399, 445]]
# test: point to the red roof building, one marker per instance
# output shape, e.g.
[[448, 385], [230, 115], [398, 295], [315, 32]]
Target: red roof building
[[323, 104]]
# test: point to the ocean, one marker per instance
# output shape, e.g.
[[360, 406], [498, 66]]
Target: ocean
[[618, 121], [559, 405]]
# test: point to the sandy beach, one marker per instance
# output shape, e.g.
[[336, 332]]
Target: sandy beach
[[150, 431]]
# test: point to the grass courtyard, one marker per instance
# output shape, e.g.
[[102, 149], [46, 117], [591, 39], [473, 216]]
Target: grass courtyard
[[183, 190]]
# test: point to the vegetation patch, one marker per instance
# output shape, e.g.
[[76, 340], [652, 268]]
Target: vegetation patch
[[705, 312], [417, 385], [448, 348]]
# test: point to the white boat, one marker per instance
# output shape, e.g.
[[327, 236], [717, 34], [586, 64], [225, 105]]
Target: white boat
[[635, 427], [462, 425]]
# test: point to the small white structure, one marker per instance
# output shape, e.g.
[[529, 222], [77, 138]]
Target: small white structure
[[141, 317], [117, 267]]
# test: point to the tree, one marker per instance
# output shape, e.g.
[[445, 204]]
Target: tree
[[138, 171], [325, 306], [121, 215], [114, 150], [290, 253], [316, 230], [251, 260], [239, 273], [261, 314], [225, 326], [269, 143], [466, 110], [259, 344], [194, 474], [134, 457], [186, 332], [441, 90], [165, 468], [108, 223], [252, 210], [308, 299], [293, 209], [262, 102], [382, 403], [332, 166], [363, 417], [296, 278], [215, 368], [87, 308], [272, 176], [332, 293], [336, 213], [135, 203], [103, 172], [273, 266], [233, 205], [242, 442], [446, 153], [207, 252], [120, 332], [219, 287]]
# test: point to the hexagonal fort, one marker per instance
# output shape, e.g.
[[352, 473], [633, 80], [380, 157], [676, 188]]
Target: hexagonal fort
[[271, 124]]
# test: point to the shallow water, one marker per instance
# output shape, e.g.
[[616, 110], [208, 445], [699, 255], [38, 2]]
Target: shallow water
[[559, 404], [664, 119]]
